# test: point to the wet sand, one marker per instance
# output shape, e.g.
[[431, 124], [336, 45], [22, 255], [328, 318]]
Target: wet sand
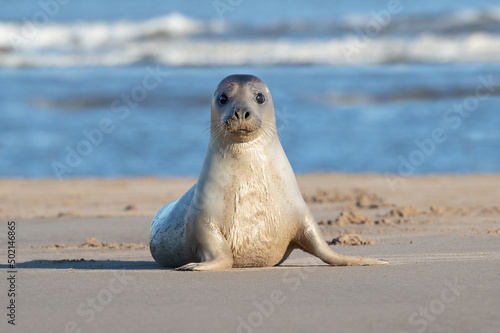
[[84, 264]]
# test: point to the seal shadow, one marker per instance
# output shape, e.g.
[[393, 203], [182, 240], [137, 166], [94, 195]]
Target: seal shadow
[[83, 264]]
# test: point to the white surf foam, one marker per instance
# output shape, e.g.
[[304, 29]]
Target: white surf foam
[[176, 40], [87, 35], [425, 49]]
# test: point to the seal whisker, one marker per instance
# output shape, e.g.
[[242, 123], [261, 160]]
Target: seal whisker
[[208, 125], [204, 131], [268, 129], [218, 131]]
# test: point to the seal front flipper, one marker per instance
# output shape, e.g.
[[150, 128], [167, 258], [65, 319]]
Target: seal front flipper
[[209, 245], [310, 240]]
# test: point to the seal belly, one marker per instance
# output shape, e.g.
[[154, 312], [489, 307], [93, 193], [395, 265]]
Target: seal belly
[[168, 244], [258, 252], [256, 240], [254, 226]]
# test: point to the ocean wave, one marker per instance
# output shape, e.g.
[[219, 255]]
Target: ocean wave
[[447, 23], [177, 40], [423, 93], [22, 36], [425, 49]]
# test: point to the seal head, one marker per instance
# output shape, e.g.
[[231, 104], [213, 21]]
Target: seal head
[[242, 108]]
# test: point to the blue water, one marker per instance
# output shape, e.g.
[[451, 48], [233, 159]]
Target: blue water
[[375, 112]]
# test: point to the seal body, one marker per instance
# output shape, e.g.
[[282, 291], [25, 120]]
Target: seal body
[[246, 209]]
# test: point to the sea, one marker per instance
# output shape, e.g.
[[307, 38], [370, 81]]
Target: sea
[[121, 88]]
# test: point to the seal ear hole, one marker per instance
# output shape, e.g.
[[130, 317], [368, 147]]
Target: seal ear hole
[[260, 98], [223, 99]]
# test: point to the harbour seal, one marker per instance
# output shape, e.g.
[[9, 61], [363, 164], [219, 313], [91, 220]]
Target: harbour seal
[[246, 209]]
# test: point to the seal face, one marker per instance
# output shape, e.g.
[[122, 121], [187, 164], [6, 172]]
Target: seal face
[[240, 114], [241, 106], [246, 209]]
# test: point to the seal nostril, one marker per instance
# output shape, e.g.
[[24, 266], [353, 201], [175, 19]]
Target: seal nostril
[[240, 115]]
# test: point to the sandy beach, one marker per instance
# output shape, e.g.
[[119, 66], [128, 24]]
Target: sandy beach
[[83, 262]]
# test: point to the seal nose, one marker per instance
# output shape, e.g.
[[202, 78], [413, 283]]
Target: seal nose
[[241, 114]]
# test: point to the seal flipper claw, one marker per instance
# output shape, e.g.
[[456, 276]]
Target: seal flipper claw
[[212, 265], [371, 262], [188, 267]]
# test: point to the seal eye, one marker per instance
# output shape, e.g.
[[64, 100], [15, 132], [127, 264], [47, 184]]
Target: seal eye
[[223, 99], [260, 98]]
